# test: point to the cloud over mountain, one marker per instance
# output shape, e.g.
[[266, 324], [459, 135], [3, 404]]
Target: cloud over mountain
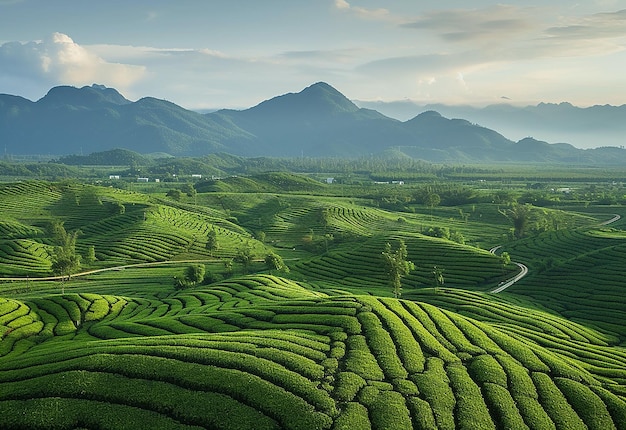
[[58, 59]]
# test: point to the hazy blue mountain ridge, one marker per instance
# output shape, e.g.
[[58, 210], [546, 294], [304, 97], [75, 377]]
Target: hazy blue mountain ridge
[[318, 121], [584, 127]]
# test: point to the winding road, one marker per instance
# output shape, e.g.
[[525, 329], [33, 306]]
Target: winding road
[[524, 270]]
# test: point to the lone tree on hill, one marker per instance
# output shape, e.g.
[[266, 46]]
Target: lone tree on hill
[[65, 260], [397, 266], [275, 262], [519, 215], [439, 280], [432, 200], [244, 256], [194, 274], [212, 244]]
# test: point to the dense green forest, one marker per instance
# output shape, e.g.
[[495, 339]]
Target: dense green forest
[[304, 293]]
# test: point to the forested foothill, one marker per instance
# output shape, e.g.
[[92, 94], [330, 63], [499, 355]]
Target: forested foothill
[[310, 293]]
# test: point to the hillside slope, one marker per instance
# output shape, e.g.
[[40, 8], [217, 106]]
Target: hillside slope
[[264, 352]]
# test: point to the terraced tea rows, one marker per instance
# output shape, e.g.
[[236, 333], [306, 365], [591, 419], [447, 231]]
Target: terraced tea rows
[[265, 352], [123, 228], [361, 267], [582, 277]]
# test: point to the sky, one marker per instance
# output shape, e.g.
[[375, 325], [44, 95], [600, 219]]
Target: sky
[[236, 53]]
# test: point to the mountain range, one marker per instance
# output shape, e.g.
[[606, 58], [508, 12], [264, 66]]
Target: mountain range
[[583, 127], [318, 121]]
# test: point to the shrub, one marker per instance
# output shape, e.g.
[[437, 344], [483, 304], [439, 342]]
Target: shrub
[[408, 348], [503, 407], [484, 368], [555, 404], [615, 405], [472, 412], [347, 386], [586, 403], [354, 416], [360, 360], [382, 346], [389, 410], [433, 384], [421, 413]]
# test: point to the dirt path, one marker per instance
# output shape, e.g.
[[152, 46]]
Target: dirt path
[[106, 269]]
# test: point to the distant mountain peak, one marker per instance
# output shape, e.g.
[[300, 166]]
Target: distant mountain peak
[[87, 96], [319, 98]]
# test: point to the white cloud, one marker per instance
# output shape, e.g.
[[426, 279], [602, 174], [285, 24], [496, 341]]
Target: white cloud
[[494, 24], [60, 60], [342, 4], [361, 12]]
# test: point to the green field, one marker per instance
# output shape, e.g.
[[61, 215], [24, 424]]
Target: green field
[[121, 342]]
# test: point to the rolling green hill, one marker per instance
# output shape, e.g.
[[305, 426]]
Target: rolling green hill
[[321, 346]]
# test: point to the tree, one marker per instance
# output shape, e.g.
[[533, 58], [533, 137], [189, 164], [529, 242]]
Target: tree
[[228, 266], [519, 215], [506, 260], [275, 262], [244, 256], [212, 244], [65, 261], [189, 190], [397, 266], [174, 194], [432, 200], [438, 273], [194, 274], [90, 256]]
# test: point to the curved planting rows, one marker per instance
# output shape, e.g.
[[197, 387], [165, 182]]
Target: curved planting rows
[[584, 280], [24, 256], [25, 201], [264, 352], [360, 267]]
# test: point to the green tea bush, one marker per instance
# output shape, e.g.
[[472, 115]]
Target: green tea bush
[[17, 310], [516, 348], [555, 404], [586, 403], [520, 382], [503, 408], [472, 412], [347, 386], [434, 386], [451, 331], [382, 346], [294, 362], [615, 405], [484, 368], [534, 414], [421, 414], [431, 344], [389, 410], [48, 413], [354, 416], [98, 309], [349, 324], [408, 348], [360, 360], [474, 334]]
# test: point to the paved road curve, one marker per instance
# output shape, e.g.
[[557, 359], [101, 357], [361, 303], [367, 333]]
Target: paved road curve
[[506, 284], [524, 270]]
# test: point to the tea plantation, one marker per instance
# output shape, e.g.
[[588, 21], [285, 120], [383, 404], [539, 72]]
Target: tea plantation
[[129, 340]]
